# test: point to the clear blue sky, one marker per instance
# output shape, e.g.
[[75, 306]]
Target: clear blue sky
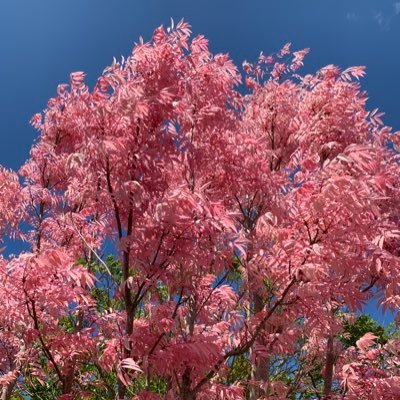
[[42, 41]]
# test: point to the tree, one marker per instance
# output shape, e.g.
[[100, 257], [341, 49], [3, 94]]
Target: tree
[[242, 228], [352, 331]]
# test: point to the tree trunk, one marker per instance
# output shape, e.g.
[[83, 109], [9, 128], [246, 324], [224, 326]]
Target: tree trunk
[[188, 396], [260, 371], [68, 379], [6, 390], [329, 363], [186, 392], [129, 313]]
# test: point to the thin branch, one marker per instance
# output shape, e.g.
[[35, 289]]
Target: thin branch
[[245, 347], [371, 285], [90, 247], [314, 385]]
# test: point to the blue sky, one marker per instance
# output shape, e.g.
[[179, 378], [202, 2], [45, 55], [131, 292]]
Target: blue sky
[[42, 41]]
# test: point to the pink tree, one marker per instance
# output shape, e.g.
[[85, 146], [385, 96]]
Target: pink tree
[[331, 223], [243, 226]]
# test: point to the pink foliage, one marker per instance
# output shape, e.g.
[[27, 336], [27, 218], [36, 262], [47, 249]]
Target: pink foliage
[[292, 187]]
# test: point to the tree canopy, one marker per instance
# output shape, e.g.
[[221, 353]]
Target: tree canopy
[[193, 238]]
